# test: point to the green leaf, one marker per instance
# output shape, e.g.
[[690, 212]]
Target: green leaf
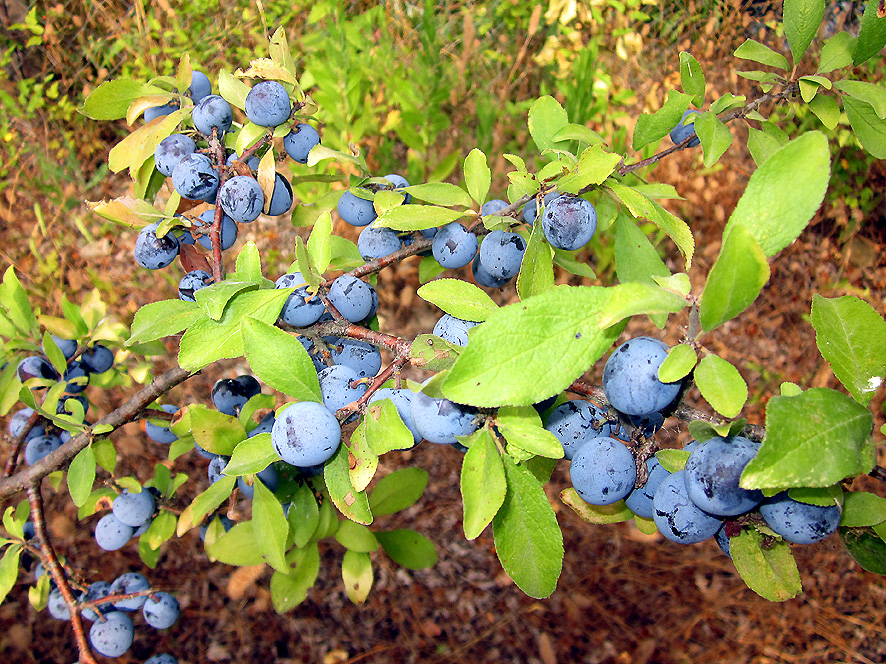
[[537, 270], [735, 281], [384, 429], [408, 548], [416, 217], [715, 137], [868, 550], [279, 360], [483, 484], [9, 569], [680, 361], [727, 102], [14, 301], [638, 298], [205, 503], [527, 537], [822, 496], [478, 177], [105, 454], [161, 529], [568, 261], [655, 126], [784, 193], [207, 340], [871, 34], [356, 537], [439, 193], [692, 78], [521, 426], [761, 145], [81, 475], [870, 93], [139, 145], [320, 243], [213, 299], [214, 431], [568, 132], [351, 503], [290, 590], [111, 99], [614, 513], [672, 460], [721, 385], [869, 129], [458, 298], [162, 319], [428, 268], [593, 167], [232, 89], [837, 52], [851, 336], [645, 208], [356, 574], [826, 109], [546, 118], [398, 490], [304, 515], [770, 572], [636, 260], [814, 439], [248, 265], [363, 461], [512, 349], [431, 353], [801, 21], [861, 508], [252, 455], [237, 547], [757, 52], [269, 526]]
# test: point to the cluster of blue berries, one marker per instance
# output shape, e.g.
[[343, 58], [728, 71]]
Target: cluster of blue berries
[[112, 632], [690, 505], [131, 515], [43, 437]]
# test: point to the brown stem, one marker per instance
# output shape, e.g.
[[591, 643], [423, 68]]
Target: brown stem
[[126, 413], [115, 598], [218, 269], [50, 561]]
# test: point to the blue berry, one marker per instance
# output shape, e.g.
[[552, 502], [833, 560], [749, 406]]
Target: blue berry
[[229, 230], [603, 471], [39, 447], [269, 477], [351, 297], [722, 540], [230, 394], [281, 197], [493, 206], [113, 636], [35, 366], [77, 377], [194, 177], [530, 210], [299, 141], [399, 182], [265, 426], [57, 606], [67, 346], [630, 377], [575, 422], [363, 358], [454, 246], [153, 252], [97, 359], [301, 309], [336, 388], [712, 473], [681, 132], [94, 591], [677, 517], [172, 150], [216, 469], [125, 584], [377, 242], [191, 283], [306, 434], [161, 659], [501, 254], [569, 222], [441, 420], [798, 522], [267, 104], [134, 509], [482, 277], [454, 330], [161, 610], [354, 210], [639, 501], [212, 112], [200, 86], [158, 111], [241, 198], [20, 419], [402, 399], [253, 161], [111, 534]]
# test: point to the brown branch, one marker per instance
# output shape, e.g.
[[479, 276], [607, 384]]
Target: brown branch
[[126, 413], [50, 561], [218, 269], [116, 598]]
